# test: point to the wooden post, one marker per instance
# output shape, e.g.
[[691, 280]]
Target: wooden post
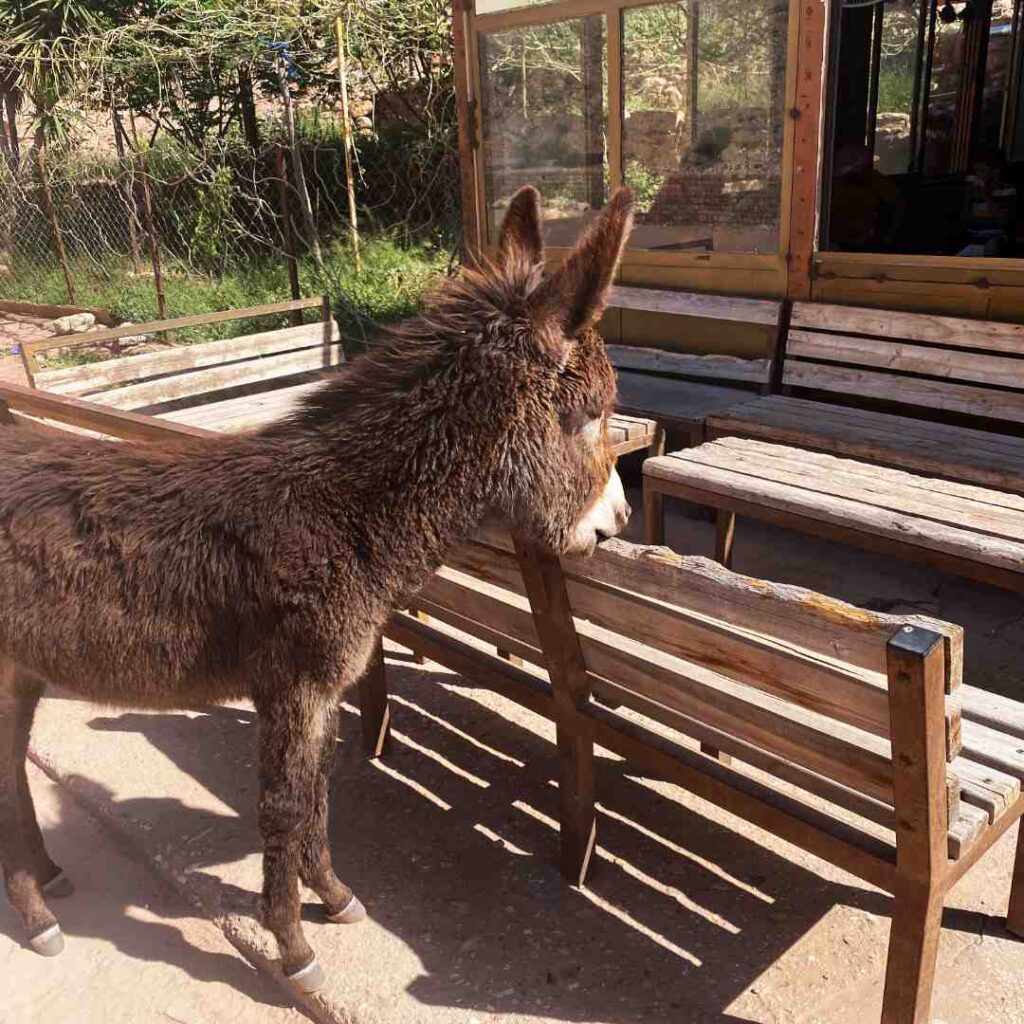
[[328, 327], [692, 61], [151, 236], [287, 235], [374, 711], [917, 686], [552, 615], [305, 206], [346, 132], [126, 189], [1015, 913], [51, 216], [592, 57], [654, 513], [725, 534]]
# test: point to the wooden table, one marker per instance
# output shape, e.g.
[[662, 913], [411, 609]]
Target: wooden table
[[959, 528]]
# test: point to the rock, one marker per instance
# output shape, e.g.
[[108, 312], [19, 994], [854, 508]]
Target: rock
[[76, 323]]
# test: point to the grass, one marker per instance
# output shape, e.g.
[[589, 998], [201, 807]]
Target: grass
[[388, 288]]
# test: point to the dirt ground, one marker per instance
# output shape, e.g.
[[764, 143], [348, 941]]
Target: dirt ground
[[691, 916]]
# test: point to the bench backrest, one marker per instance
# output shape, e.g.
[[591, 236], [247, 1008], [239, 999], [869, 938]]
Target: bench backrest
[[186, 371], [927, 365], [781, 677]]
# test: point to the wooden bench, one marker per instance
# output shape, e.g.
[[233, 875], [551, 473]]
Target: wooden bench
[[192, 374], [955, 527], [848, 731], [933, 394], [681, 389]]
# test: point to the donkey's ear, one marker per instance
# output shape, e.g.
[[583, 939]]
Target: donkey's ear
[[577, 293], [520, 230]]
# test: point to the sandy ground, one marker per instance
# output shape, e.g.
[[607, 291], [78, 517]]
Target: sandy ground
[[136, 951]]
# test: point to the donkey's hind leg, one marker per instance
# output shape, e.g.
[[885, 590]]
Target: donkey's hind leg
[[293, 723], [316, 869], [24, 858]]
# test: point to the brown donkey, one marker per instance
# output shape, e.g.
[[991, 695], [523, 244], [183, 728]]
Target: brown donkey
[[175, 575]]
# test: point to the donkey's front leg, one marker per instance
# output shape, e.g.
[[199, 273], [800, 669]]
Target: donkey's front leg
[[315, 868], [293, 722]]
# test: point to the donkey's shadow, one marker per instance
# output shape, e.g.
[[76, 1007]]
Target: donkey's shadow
[[455, 852]]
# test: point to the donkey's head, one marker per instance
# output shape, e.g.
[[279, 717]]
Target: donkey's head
[[560, 484]]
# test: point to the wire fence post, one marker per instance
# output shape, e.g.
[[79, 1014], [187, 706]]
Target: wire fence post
[[51, 216], [287, 236], [346, 132]]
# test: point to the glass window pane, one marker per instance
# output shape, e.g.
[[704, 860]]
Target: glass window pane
[[704, 96], [897, 62], [544, 105]]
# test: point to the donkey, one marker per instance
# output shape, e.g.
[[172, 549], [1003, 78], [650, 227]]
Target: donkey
[[170, 575]]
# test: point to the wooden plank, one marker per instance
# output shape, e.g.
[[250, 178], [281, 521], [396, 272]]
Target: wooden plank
[[995, 749], [177, 323], [753, 372], [984, 511], [220, 378], [888, 323], [697, 304], [946, 396], [686, 478], [978, 367], [985, 787], [248, 412], [129, 426], [811, 740], [938, 449], [80, 380], [1003, 714], [965, 830], [786, 613]]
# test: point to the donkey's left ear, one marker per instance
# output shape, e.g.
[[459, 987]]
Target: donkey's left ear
[[577, 293], [520, 239]]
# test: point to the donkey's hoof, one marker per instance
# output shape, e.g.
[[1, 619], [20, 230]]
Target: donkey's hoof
[[352, 912], [59, 886], [48, 942], [309, 978]]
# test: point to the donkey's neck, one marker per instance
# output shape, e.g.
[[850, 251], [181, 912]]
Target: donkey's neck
[[409, 479]]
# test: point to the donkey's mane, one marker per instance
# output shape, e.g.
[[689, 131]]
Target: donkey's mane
[[469, 306]]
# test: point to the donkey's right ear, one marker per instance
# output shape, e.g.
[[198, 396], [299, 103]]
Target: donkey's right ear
[[520, 241]]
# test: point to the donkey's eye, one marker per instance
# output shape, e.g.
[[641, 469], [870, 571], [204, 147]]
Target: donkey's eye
[[592, 431]]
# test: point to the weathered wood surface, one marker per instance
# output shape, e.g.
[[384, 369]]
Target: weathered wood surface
[[221, 378], [961, 521], [697, 304], [948, 396], [938, 449], [967, 365], [726, 369], [33, 348], [129, 426], [789, 614], [80, 380], [674, 403], [896, 325]]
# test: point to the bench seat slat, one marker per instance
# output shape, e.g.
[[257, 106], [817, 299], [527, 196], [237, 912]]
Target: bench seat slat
[[220, 378], [80, 380], [847, 513], [888, 323], [971, 366], [968, 399], [674, 403]]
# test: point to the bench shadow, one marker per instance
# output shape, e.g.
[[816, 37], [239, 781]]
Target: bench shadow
[[456, 851]]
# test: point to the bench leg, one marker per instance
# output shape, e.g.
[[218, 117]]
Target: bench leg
[[725, 532], [419, 617], [1015, 914], [913, 946], [654, 514], [374, 712], [576, 804]]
